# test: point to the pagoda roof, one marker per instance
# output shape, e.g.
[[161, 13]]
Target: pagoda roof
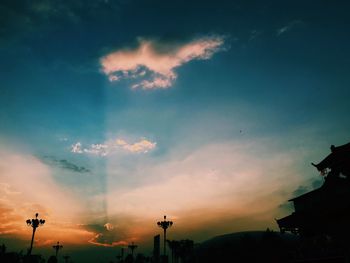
[[339, 156], [308, 194], [291, 221]]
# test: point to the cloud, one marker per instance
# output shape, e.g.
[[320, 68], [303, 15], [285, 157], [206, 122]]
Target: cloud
[[143, 146], [300, 190], [109, 147], [65, 164], [157, 60], [109, 226], [254, 34], [27, 186], [76, 148], [309, 185], [107, 235], [106, 240], [215, 182], [288, 27], [98, 149]]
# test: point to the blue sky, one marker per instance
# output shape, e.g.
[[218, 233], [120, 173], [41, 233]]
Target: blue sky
[[129, 110]]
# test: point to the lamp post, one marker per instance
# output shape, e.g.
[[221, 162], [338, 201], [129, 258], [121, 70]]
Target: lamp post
[[165, 225], [132, 247], [34, 223], [57, 247]]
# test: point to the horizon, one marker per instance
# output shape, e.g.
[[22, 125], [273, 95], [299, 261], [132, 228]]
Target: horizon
[[116, 113]]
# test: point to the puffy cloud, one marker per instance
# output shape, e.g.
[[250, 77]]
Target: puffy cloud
[[98, 149], [142, 146], [113, 78], [76, 148], [109, 226], [158, 59]]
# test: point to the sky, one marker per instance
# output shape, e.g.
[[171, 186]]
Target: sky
[[115, 113]]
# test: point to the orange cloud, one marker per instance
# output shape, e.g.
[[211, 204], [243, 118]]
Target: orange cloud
[[142, 146], [28, 187], [159, 59]]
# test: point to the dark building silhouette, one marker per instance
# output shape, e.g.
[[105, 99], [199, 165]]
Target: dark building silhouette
[[33, 259], [322, 216], [156, 249]]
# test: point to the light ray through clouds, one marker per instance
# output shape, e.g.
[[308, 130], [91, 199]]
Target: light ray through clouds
[[226, 141], [158, 59]]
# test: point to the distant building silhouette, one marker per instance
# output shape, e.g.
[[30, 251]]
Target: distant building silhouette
[[156, 249]]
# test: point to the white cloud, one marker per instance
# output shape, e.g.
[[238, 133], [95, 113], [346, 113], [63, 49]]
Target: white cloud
[[113, 78], [76, 148], [108, 226], [158, 59], [104, 149], [98, 149]]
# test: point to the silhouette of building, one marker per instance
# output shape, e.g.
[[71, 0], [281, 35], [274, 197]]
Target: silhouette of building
[[156, 249], [324, 213]]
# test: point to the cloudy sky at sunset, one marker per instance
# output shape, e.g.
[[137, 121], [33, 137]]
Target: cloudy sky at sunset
[[114, 113]]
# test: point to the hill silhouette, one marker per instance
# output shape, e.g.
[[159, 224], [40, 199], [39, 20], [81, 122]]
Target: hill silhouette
[[248, 246]]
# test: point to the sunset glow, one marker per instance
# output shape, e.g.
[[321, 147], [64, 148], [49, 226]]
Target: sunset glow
[[116, 113]]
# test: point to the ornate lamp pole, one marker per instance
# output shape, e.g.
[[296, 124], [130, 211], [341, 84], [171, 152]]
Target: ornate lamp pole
[[34, 223], [165, 225], [57, 247], [132, 247]]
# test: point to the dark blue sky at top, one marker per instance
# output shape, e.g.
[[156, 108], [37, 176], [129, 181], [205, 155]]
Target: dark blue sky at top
[[51, 81]]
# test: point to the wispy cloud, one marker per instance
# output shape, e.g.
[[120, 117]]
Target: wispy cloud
[[154, 62], [111, 146], [107, 235], [254, 34], [65, 164], [288, 27], [224, 175]]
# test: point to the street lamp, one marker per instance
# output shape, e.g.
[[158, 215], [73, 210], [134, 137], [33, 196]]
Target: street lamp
[[132, 247], [57, 247], [165, 225], [34, 223]]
